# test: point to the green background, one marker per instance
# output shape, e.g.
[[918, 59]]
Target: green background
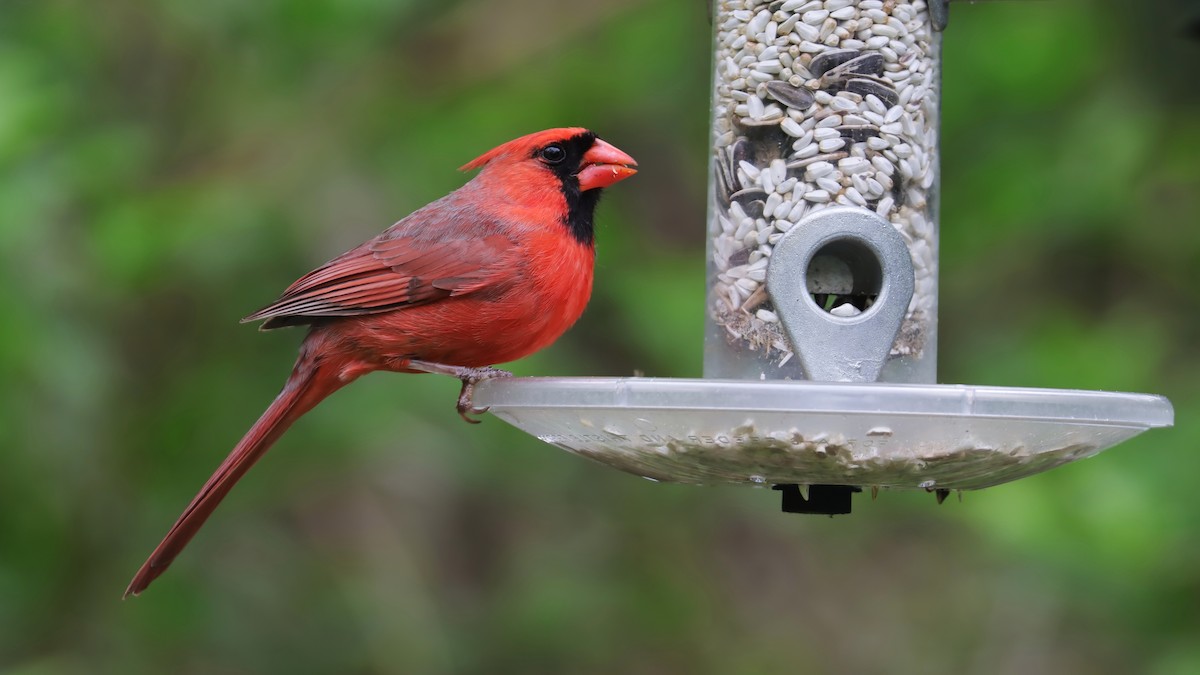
[[168, 167]]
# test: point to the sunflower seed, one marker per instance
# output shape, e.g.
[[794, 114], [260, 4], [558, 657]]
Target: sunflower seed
[[829, 59], [864, 87], [791, 96]]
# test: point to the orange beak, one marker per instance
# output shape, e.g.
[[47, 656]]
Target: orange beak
[[604, 165]]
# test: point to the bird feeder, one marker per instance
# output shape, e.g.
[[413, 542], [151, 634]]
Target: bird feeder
[[821, 305]]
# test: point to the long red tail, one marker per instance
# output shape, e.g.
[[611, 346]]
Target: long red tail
[[311, 381]]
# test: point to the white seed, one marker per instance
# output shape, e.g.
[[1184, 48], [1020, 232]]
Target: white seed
[[805, 138], [829, 184], [766, 315], [825, 133], [859, 181], [778, 170], [916, 199], [759, 23], [817, 169], [736, 212], [829, 122], [755, 107], [816, 16], [817, 196], [769, 66], [807, 151], [831, 144], [884, 29], [795, 215], [805, 32], [766, 182], [782, 210], [791, 127], [843, 104], [773, 201], [852, 165], [827, 28]]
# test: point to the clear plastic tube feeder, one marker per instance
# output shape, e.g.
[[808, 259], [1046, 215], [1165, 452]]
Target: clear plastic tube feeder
[[821, 303]]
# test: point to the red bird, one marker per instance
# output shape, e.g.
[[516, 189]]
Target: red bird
[[492, 272]]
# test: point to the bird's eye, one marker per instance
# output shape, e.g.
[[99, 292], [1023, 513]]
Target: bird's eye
[[553, 154]]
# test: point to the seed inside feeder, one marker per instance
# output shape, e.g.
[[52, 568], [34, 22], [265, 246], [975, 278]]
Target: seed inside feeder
[[840, 111]]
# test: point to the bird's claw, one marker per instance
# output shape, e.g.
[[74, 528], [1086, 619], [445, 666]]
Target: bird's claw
[[466, 406], [469, 377]]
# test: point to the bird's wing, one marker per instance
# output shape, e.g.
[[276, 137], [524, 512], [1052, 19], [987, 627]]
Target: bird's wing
[[393, 271]]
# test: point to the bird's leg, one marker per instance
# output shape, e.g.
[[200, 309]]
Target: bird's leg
[[469, 377]]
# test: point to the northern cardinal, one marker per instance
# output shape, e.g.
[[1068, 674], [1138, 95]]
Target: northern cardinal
[[492, 272]]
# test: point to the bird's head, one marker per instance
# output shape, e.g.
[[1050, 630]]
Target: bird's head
[[556, 170], [573, 154]]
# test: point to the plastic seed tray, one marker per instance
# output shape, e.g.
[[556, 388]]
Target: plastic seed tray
[[898, 436]]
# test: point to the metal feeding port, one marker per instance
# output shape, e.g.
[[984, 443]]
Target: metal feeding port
[[821, 307]]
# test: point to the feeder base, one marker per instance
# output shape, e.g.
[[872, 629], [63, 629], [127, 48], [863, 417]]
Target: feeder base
[[897, 436]]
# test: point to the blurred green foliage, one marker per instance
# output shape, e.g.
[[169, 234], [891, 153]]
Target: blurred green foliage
[[167, 167]]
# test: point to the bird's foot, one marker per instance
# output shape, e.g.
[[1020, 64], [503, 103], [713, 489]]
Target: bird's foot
[[469, 377]]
